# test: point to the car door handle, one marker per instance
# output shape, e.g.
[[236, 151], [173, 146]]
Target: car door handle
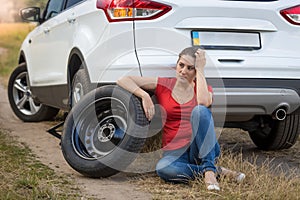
[[46, 30], [71, 20], [230, 60]]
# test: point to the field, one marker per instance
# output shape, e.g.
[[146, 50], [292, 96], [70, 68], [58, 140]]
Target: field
[[11, 37], [24, 177]]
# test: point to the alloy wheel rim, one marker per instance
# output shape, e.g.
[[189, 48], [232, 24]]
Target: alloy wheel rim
[[77, 93], [22, 96]]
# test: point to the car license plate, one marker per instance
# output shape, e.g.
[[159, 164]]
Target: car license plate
[[221, 40]]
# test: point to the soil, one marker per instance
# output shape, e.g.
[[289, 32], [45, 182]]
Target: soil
[[48, 151]]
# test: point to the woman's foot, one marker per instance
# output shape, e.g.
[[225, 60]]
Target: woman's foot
[[211, 181], [237, 176]]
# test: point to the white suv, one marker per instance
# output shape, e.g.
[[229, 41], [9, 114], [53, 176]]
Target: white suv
[[252, 49]]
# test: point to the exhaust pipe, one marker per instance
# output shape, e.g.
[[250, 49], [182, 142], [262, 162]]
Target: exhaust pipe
[[279, 114]]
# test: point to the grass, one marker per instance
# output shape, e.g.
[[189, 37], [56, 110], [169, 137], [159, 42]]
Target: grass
[[23, 177], [263, 181], [11, 38], [260, 183]]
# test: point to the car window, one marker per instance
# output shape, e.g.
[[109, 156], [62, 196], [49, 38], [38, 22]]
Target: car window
[[53, 8], [72, 2]]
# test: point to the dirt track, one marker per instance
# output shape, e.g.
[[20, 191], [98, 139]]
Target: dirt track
[[47, 149]]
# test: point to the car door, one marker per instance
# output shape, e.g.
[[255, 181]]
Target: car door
[[50, 45]]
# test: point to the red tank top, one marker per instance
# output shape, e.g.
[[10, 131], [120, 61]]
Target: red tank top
[[177, 130]]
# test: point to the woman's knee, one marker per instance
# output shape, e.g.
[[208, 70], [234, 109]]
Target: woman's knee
[[167, 173], [172, 172], [201, 111]]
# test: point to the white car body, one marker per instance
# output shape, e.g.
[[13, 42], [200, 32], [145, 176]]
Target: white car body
[[150, 47], [252, 49]]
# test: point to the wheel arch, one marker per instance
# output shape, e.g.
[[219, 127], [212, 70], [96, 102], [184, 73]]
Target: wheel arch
[[76, 62], [22, 58]]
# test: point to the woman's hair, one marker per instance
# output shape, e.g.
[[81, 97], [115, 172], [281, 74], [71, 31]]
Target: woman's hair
[[190, 51]]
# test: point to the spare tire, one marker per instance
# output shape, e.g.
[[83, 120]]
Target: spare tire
[[104, 132]]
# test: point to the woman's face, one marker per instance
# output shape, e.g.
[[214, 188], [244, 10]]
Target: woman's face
[[185, 69]]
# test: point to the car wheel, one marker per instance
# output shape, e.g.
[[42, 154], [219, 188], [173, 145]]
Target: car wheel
[[21, 100], [80, 86], [275, 135], [104, 132]]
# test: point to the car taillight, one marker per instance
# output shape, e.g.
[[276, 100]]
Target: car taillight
[[128, 10], [292, 14]]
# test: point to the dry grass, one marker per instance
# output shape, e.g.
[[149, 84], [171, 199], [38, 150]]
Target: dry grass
[[260, 183], [12, 28], [11, 38], [263, 180], [23, 177]]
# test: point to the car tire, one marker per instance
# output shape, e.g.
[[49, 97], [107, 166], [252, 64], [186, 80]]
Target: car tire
[[275, 134], [80, 86], [21, 100], [104, 132]]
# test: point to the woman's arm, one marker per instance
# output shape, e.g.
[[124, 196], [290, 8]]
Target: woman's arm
[[137, 86], [204, 97]]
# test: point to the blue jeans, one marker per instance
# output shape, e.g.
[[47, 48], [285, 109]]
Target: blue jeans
[[182, 165]]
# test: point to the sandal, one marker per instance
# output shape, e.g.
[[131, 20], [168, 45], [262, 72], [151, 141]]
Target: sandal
[[237, 176], [240, 177], [211, 187], [211, 181]]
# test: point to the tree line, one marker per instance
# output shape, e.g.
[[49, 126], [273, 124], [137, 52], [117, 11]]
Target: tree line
[[37, 3]]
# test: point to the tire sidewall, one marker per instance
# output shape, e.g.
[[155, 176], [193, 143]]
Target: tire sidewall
[[82, 78], [124, 153], [44, 113], [283, 134]]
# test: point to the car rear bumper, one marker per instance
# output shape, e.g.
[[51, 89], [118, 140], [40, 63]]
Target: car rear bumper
[[241, 99]]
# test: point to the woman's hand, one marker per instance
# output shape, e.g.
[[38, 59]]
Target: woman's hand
[[204, 97], [137, 86], [148, 106], [200, 60]]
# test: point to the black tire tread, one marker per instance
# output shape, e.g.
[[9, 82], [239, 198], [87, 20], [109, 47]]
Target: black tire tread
[[45, 112], [283, 135], [81, 77]]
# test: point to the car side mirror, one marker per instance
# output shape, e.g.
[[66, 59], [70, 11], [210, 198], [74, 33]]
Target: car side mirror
[[31, 14]]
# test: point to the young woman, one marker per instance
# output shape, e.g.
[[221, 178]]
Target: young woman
[[189, 141]]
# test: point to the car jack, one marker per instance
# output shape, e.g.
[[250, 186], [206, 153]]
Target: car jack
[[55, 131]]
